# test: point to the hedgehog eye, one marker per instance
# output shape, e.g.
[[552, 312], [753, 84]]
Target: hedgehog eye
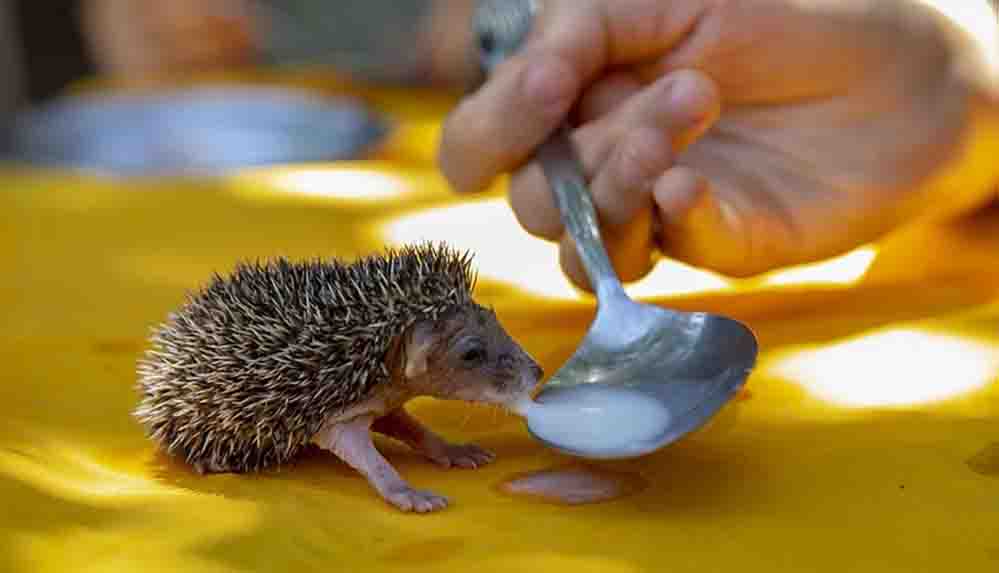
[[473, 355]]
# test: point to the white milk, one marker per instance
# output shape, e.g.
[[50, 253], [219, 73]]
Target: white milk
[[598, 420]]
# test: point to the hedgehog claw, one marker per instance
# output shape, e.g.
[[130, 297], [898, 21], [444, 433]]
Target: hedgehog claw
[[411, 500], [467, 456]]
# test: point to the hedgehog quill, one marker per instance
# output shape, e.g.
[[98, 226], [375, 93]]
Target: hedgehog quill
[[257, 365]]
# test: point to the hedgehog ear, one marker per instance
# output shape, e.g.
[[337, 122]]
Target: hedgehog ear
[[420, 340]]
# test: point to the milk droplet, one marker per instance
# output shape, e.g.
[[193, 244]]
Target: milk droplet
[[573, 485], [598, 420]]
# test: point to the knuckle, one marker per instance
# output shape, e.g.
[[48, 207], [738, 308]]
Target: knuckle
[[532, 204], [607, 94], [549, 87], [642, 157], [626, 187]]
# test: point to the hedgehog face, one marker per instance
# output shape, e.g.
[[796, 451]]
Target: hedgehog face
[[468, 355]]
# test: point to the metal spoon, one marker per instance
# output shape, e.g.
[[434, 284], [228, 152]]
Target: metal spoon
[[689, 364]]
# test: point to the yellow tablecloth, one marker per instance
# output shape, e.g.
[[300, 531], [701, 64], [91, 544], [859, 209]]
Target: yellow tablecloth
[[868, 439]]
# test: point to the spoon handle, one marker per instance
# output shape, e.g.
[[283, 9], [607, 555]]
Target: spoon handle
[[501, 27], [564, 172]]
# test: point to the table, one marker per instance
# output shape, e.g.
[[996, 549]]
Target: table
[[867, 440]]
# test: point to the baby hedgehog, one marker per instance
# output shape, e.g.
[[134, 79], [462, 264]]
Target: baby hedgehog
[[256, 366]]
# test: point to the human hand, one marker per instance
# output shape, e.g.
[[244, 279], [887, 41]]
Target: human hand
[[761, 133]]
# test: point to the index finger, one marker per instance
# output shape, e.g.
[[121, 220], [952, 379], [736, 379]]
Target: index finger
[[571, 42]]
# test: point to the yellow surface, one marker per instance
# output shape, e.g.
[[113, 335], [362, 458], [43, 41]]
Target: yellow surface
[[867, 442]]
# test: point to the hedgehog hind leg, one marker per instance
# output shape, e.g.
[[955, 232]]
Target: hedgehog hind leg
[[209, 457], [205, 463], [350, 440], [207, 467], [239, 458]]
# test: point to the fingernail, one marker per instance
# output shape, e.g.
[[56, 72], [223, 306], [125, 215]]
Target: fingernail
[[693, 97]]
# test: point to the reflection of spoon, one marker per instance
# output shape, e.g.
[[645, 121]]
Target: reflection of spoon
[[643, 376]]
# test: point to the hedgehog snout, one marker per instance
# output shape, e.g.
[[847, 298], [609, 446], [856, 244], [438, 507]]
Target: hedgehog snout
[[516, 373]]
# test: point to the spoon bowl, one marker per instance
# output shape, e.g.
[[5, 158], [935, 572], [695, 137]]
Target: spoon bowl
[[643, 376]]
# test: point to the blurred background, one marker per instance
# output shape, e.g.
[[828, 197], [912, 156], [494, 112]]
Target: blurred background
[[189, 87]]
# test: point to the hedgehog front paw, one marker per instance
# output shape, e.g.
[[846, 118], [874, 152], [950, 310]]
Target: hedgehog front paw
[[409, 499], [460, 455]]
